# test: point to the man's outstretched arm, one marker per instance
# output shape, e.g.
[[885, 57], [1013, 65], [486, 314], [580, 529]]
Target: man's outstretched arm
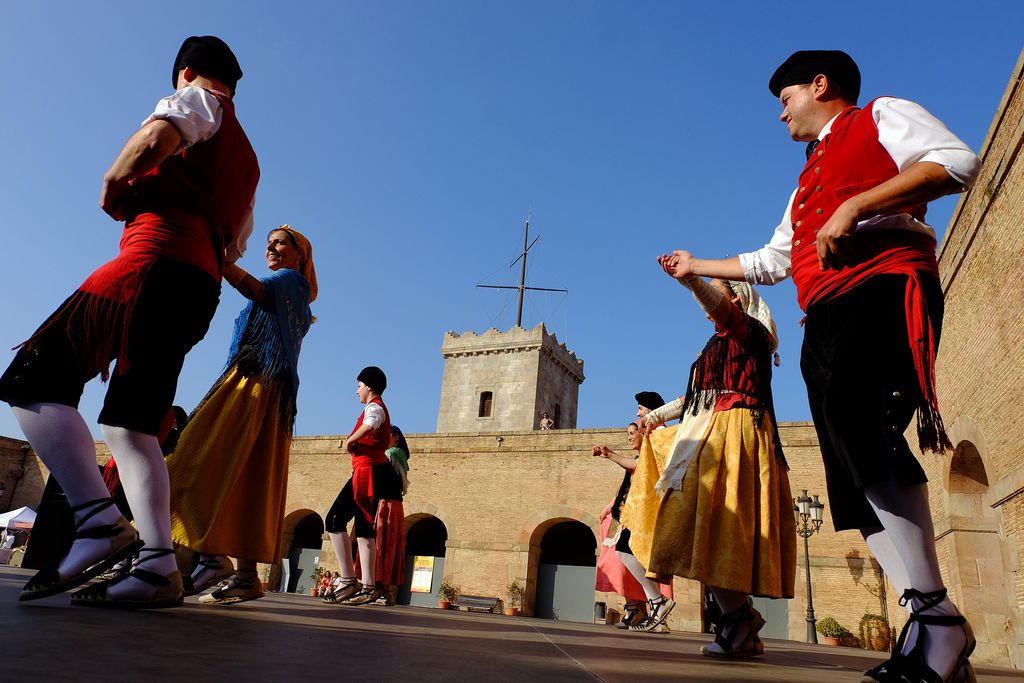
[[683, 263]]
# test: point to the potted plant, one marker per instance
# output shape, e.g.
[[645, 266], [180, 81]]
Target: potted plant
[[446, 595], [515, 598], [832, 632], [875, 632]]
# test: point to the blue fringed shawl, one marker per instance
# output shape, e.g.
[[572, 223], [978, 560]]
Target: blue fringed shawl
[[276, 335]]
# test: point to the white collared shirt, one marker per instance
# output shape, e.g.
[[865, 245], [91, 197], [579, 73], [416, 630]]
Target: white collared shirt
[[910, 135]]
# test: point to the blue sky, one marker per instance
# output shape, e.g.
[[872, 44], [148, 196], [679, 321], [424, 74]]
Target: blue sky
[[408, 140]]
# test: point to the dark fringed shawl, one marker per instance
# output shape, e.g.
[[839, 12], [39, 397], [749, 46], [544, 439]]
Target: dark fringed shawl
[[267, 342], [719, 367]]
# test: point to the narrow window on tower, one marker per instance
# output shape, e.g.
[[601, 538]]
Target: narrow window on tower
[[558, 416], [486, 398]]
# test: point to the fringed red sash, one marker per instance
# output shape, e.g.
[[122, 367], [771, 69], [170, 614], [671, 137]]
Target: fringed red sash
[[101, 308], [362, 487], [914, 257]]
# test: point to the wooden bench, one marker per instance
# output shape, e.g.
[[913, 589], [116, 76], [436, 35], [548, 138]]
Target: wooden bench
[[476, 602]]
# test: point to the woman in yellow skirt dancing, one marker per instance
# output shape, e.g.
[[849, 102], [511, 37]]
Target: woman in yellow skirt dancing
[[711, 499], [229, 471]]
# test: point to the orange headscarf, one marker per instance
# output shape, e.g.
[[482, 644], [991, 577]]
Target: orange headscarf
[[305, 258]]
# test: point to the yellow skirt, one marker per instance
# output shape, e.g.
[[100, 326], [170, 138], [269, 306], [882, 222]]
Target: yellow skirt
[[229, 471], [640, 511], [731, 525]]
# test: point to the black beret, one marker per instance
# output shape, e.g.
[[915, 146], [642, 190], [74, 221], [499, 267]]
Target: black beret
[[649, 400], [209, 56], [374, 378], [803, 65]]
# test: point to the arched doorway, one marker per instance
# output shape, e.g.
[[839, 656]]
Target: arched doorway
[[426, 537], [566, 567], [303, 541]]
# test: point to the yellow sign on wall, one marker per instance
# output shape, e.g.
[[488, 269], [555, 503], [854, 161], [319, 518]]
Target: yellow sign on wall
[[422, 574]]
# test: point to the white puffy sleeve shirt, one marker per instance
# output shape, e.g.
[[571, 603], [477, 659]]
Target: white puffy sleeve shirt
[[197, 115], [909, 134], [373, 415]]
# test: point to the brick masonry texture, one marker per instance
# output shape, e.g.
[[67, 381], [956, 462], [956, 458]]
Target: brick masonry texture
[[497, 500]]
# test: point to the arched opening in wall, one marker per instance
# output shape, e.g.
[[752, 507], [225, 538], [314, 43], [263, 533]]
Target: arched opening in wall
[[486, 401], [966, 484], [967, 470], [969, 545], [565, 570], [302, 543], [426, 537]]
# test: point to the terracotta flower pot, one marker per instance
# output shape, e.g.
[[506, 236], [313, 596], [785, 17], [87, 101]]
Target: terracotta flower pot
[[511, 611], [829, 640], [878, 637], [444, 604]]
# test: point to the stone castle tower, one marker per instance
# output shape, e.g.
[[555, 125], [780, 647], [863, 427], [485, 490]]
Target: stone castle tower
[[505, 381]]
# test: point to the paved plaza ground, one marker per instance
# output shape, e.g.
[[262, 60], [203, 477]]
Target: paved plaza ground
[[286, 637]]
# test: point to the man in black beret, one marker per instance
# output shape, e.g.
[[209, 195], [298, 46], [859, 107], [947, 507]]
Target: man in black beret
[[210, 56], [646, 401], [863, 260], [184, 186]]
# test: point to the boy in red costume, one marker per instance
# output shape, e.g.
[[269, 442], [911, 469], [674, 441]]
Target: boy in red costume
[[368, 443]]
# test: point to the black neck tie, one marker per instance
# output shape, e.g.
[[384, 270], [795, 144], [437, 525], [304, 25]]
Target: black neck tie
[[810, 147]]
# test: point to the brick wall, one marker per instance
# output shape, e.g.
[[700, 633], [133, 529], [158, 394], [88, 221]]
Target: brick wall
[[496, 498], [976, 501]]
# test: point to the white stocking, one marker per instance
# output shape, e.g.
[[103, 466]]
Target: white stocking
[[884, 552], [342, 543], [144, 477], [630, 562], [61, 439], [368, 559], [906, 517]]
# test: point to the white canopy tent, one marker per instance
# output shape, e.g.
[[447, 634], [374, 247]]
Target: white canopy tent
[[21, 518]]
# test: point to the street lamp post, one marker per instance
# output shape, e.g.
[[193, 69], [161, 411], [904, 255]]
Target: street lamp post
[[809, 513]]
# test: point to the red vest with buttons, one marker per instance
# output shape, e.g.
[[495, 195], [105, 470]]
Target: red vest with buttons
[[848, 160]]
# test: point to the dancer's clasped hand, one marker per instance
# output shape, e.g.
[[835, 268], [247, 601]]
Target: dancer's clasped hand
[[678, 264]]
